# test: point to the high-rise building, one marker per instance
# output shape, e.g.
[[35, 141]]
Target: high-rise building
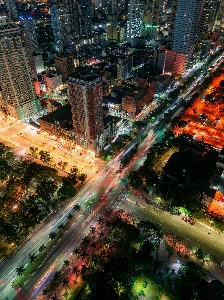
[[168, 61], [11, 9], [134, 19], [30, 40], [61, 25], [86, 98], [206, 24], [111, 7], [71, 8], [64, 64], [84, 19], [124, 67], [219, 24], [19, 97], [151, 18], [184, 26]]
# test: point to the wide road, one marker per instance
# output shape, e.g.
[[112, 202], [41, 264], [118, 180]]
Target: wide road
[[100, 184]]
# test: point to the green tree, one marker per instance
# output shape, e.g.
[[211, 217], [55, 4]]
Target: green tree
[[52, 235], [82, 177], [200, 255], [20, 270], [67, 189], [32, 257], [45, 156], [134, 179]]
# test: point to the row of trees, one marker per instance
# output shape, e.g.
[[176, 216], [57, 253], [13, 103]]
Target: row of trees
[[119, 248], [114, 252], [31, 192]]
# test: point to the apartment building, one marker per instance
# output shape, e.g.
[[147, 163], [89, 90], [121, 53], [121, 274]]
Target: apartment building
[[64, 64], [18, 93], [86, 99]]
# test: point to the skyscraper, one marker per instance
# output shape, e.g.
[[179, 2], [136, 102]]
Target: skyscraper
[[71, 8], [18, 93], [184, 27], [61, 25], [30, 40], [11, 9], [151, 18], [134, 19], [86, 98]]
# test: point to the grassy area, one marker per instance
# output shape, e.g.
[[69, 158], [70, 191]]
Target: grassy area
[[145, 287], [163, 160], [77, 291], [89, 201]]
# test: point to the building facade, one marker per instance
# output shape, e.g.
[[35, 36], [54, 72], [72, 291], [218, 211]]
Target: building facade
[[19, 97], [30, 40], [61, 25], [64, 64], [134, 19], [11, 9], [86, 99], [124, 67], [184, 26]]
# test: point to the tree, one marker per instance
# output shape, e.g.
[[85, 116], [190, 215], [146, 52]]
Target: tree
[[20, 270], [57, 275], [52, 235], [92, 230], [108, 223], [101, 234], [32, 257], [45, 292], [33, 151], [46, 189], [151, 178], [82, 177], [42, 248], [66, 263], [75, 270], [86, 240], [187, 280], [200, 255], [69, 216], [74, 170], [45, 156], [65, 282], [125, 246], [100, 220], [77, 207], [61, 226], [76, 251], [151, 231], [134, 179], [67, 189]]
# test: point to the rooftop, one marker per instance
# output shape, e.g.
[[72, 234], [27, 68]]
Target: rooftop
[[109, 99], [84, 73], [110, 120], [61, 117]]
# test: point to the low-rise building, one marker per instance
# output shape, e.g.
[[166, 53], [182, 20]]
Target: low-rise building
[[114, 105], [135, 100], [52, 81], [162, 83], [111, 126], [124, 67], [59, 123]]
